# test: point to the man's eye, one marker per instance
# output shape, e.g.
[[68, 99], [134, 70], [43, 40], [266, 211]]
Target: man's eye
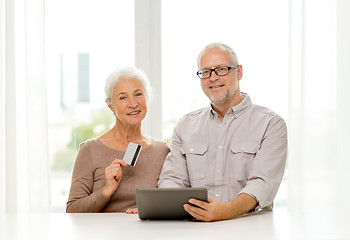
[[138, 94], [122, 98]]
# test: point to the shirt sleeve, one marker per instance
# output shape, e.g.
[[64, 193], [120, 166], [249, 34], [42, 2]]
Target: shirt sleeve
[[81, 195], [269, 164], [174, 172]]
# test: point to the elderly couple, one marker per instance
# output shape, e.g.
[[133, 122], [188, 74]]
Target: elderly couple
[[235, 149]]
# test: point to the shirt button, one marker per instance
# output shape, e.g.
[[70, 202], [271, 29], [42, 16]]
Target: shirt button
[[217, 195], [191, 149], [220, 126], [220, 147], [218, 171]]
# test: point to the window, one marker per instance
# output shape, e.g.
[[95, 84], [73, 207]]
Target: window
[[86, 41]]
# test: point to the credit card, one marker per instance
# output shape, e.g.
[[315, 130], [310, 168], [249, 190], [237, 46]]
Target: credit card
[[132, 153]]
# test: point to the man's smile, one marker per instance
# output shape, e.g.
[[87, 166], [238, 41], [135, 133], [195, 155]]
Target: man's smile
[[217, 86]]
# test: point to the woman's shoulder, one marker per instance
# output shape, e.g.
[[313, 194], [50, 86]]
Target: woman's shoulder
[[159, 145], [157, 142], [90, 143]]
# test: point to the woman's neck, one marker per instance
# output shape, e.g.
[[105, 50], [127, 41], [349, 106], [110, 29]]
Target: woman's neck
[[127, 133], [120, 135]]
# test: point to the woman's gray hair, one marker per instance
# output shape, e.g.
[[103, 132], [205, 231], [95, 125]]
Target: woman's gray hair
[[127, 72], [233, 55]]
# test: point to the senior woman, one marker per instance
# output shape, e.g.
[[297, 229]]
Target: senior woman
[[101, 181]]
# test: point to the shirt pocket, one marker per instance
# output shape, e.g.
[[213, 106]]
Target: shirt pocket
[[196, 159], [241, 159]]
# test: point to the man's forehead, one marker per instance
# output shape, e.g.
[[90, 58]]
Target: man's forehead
[[215, 57], [214, 66], [213, 62]]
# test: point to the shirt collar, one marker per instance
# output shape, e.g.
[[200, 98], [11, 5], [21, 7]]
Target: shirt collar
[[237, 110]]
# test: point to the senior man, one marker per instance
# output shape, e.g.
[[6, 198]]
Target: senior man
[[234, 148]]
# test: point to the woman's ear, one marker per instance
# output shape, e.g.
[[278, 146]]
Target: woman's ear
[[109, 105]]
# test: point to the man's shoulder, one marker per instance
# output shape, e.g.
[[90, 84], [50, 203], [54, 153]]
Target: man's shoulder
[[197, 114], [261, 110], [193, 124]]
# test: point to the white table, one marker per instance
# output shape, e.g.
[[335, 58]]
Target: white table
[[268, 225]]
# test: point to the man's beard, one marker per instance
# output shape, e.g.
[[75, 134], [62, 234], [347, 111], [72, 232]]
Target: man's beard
[[218, 100]]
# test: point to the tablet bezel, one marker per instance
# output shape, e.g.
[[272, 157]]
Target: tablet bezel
[[166, 203]]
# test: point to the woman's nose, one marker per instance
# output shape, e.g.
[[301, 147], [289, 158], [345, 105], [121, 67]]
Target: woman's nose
[[133, 102]]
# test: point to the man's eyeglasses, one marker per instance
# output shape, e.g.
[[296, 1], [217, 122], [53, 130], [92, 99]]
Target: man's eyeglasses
[[220, 71]]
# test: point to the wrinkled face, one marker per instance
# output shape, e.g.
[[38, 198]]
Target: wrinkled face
[[129, 101], [220, 89]]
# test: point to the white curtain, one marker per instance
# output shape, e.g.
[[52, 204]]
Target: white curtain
[[24, 182], [319, 112]]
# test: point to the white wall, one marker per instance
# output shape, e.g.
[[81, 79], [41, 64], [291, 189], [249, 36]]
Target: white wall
[[343, 100]]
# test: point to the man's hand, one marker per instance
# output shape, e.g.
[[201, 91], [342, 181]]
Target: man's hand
[[215, 211], [207, 211]]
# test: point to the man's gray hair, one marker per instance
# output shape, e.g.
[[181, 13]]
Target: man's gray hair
[[233, 55], [127, 72]]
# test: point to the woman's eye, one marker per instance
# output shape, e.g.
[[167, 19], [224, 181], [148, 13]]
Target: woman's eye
[[122, 98], [138, 94]]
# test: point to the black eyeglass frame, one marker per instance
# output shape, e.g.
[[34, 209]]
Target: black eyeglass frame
[[216, 72]]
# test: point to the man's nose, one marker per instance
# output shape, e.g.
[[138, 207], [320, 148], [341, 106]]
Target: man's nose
[[213, 76]]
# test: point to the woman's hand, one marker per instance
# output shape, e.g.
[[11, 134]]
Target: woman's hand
[[132, 211], [113, 174]]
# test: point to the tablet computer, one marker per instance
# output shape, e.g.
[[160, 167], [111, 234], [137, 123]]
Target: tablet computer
[[166, 203]]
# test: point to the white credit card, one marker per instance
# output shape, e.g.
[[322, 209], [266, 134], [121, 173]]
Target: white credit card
[[132, 153]]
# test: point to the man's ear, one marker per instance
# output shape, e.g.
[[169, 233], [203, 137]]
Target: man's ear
[[239, 72]]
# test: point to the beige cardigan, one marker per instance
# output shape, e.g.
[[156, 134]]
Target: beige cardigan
[[88, 177]]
